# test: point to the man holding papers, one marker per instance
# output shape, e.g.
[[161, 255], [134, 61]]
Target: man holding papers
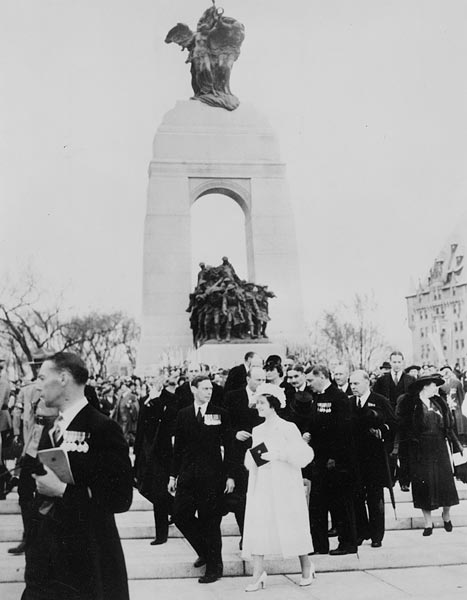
[[74, 549]]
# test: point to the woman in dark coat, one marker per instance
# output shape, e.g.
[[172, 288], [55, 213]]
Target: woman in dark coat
[[426, 424]]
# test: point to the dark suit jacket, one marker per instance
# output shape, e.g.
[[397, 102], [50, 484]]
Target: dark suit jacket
[[242, 418], [236, 378], [197, 456], [153, 444], [385, 386], [185, 395], [74, 551], [348, 391], [331, 430], [372, 452]]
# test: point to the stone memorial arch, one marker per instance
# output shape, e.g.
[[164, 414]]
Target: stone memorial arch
[[198, 150]]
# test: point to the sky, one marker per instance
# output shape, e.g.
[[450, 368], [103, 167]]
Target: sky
[[368, 99]]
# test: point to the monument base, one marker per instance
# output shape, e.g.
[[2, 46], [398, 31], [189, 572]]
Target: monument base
[[226, 355]]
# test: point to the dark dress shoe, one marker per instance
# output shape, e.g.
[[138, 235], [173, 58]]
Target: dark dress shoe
[[405, 488], [158, 541], [361, 539], [209, 578], [427, 531], [199, 562], [376, 544], [344, 550], [332, 532], [447, 526], [316, 552], [12, 483], [18, 549]]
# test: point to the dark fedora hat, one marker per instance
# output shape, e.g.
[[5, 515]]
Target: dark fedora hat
[[385, 365], [424, 380], [411, 368], [40, 356]]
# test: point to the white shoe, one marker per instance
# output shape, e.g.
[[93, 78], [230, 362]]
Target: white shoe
[[260, 583], [307, 580]]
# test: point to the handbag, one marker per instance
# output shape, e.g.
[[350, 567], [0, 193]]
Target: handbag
[[460, 466]]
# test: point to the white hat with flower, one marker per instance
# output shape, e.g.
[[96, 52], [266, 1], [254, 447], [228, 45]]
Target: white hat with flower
[[270, 389]]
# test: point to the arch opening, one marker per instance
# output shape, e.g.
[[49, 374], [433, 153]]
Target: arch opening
[[218, 228]]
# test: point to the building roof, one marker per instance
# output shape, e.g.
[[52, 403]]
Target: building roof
[[450, 265]]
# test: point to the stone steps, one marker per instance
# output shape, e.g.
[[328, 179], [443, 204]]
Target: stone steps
[[10, 505], [139, 524], [401, 549], [403, 545]]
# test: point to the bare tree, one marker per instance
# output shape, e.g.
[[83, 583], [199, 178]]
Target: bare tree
[[101, 338], [352, 333], [29, 324]]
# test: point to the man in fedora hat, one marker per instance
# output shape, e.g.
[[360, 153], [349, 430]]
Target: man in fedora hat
[[35, 416]]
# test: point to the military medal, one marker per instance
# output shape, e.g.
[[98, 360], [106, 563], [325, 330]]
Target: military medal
[[75, 441]]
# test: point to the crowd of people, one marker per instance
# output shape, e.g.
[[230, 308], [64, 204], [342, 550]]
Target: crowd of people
[[300, 453]]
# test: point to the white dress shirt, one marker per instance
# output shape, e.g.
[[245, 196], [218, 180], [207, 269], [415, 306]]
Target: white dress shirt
[[364, 398], [203, 408]]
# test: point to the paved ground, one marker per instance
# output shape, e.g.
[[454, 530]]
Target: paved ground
[[443, 583]]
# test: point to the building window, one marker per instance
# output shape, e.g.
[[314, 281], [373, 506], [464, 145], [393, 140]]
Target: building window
[[462, 343], [457, 344], [455, 327]]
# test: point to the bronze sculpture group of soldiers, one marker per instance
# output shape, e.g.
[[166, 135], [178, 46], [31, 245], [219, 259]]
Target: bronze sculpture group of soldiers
[[223, 306]]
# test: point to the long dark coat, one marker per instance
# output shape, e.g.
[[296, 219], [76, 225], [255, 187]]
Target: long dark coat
[[74, 551], [153, 445], [372, 451], [428, 431]]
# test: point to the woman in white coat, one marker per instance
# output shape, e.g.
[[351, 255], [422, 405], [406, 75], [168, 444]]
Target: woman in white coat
[[276, 516]]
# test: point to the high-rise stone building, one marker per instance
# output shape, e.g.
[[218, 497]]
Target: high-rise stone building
[[437, 313]]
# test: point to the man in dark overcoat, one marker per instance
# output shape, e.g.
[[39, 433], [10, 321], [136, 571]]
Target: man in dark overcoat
[[334, 467], [374, 424], [154, 453], [236, 378], [241, 406], [73, 550], [392, 385], [200, 475]]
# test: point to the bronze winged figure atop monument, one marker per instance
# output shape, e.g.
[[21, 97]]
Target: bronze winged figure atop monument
[[212, 50]]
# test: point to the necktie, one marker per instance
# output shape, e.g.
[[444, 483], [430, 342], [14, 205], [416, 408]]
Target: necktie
[[57, 432], [199, 416], [396, 378], [359, 402]]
